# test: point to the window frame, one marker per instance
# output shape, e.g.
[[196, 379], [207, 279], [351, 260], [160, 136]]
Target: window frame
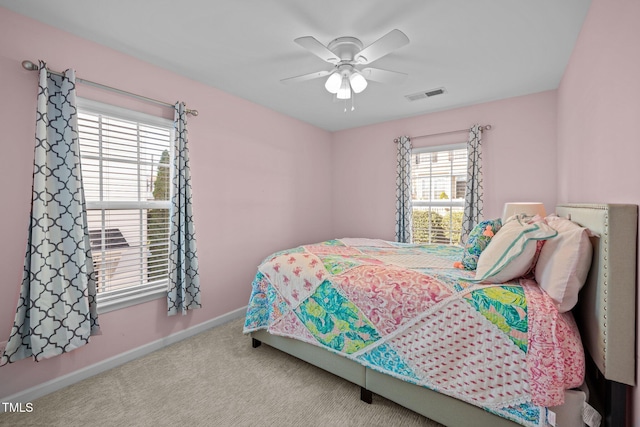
[[135, 293], [437, 203]]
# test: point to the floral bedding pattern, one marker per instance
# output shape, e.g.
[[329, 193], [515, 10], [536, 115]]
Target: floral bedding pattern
[[405, 311]]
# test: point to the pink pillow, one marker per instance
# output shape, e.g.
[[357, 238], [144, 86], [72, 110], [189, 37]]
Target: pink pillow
[[564, 262], [530, 274]]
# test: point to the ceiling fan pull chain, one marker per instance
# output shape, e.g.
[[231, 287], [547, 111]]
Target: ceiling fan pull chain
[[353, 96]]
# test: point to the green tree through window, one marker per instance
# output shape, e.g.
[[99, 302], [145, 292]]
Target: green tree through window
[[158, 223]]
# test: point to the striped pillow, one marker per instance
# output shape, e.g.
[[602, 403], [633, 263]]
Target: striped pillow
[[511, 251]]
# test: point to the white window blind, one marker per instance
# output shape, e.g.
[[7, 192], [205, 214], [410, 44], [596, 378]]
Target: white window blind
[[438, 184], [126, 170]]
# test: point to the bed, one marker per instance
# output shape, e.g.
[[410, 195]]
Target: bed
[[454, 350]]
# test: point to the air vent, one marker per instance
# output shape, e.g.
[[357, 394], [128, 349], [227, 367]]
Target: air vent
[[435, 92], [425, 94]]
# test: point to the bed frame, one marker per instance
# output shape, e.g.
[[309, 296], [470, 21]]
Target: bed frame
[[606, 316], [606, 310]]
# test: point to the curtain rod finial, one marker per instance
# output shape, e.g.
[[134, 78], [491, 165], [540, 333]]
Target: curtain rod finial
[[193, 112], [28, 65]]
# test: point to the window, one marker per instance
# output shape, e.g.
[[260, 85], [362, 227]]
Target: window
[[438, 177], [126, 170]]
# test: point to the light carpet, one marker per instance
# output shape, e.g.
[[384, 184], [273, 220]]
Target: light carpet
[[214, 379]]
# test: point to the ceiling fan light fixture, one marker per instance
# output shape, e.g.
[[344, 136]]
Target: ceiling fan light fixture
[[345, 53], [345, 90], [333, 83], [358, 82]]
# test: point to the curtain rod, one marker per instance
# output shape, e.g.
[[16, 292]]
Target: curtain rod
[[485, 127], [28, 65]]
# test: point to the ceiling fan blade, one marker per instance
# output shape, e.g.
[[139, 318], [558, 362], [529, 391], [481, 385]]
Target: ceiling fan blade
[[386, 44], [383, 76], [305, 77], [317, 48]]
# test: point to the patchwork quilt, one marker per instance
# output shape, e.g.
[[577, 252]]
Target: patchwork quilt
[[405, 311]]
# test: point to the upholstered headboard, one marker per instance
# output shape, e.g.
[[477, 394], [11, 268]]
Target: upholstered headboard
[[606, 310]]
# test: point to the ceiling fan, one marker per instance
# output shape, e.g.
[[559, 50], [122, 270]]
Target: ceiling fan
[[346, 54]]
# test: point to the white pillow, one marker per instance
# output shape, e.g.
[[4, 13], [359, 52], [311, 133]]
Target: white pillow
[[564, 263], [511, 252]]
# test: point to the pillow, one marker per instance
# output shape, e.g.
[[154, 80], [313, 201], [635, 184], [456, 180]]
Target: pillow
[[478, 240], [530, 273], [564, 262], [511, 252]]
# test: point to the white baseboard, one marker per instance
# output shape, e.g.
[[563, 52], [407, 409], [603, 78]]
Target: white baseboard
[[45, 388]]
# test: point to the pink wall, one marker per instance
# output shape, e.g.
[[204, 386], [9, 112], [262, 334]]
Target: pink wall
[[519, 160], [252, 190], [542, 147], [599, 112]]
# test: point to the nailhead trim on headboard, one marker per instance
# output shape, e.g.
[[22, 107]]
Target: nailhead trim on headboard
[[607, 303], [605, 283]]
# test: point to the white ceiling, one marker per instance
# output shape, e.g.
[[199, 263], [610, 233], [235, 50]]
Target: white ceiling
[[479, 50]]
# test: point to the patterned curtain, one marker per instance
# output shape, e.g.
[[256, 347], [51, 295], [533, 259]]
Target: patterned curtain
[[474, 191], [404, 212], [57, 306], [184, 282]]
